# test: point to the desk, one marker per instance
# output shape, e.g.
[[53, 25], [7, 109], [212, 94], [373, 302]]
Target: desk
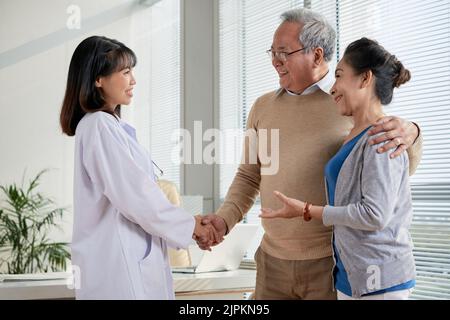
[[213, 285]]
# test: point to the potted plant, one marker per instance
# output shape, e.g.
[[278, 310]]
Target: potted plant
[[25, 220]]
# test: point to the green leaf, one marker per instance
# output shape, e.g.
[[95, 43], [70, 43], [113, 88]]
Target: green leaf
[[25, 221]]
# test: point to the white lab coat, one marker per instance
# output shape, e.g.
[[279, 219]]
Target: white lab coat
[[122, 220]]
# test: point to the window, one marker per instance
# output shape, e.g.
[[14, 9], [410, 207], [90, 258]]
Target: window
[[155, 35], [418, 34], [246, 29]]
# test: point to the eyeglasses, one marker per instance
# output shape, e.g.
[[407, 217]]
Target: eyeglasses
[[281, 55]]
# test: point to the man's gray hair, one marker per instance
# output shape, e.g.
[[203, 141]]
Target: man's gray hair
[[316, 31]]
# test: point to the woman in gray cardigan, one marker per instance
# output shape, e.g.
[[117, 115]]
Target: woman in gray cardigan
[[368, 193]]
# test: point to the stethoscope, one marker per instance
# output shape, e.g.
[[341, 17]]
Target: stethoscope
[[159, 169]]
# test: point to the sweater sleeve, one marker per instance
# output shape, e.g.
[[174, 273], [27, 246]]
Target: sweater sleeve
[[415, 154], [381, 178], [244, 189]]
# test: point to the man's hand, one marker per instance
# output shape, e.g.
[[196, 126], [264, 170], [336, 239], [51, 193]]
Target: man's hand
[[220, 227], [400, 133], [292, 208], [205, 233]]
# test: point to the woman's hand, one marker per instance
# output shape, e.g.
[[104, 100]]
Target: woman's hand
[[292, 208]]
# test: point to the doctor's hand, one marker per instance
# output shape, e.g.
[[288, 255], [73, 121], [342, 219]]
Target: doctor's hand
[[205, 233], [219, 224], [292, 208]]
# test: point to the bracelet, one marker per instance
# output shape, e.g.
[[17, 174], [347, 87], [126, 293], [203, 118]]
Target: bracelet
[[306, 211]]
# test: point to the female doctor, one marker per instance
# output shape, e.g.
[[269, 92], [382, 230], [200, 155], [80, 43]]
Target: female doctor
[[123, 223]]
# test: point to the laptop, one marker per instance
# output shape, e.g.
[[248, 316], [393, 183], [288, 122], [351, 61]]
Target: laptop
[[225, 256]]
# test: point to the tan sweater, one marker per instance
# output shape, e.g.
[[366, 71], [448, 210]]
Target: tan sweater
[[310, 133]]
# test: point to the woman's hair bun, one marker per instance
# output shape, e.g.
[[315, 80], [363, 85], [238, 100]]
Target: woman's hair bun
[[402, 74]]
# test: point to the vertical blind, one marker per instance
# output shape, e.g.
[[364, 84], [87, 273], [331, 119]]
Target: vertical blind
[[418, 33], [246, 29], [165, 85], [156, 35]]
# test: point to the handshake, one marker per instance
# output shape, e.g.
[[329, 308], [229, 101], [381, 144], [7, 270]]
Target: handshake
[[209, 231]]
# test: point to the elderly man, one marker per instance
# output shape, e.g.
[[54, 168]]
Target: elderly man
[[294, 260]]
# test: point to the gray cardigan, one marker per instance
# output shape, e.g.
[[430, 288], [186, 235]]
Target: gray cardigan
[[371, 218]]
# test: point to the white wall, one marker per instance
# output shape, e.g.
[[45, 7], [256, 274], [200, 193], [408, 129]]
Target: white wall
[[198, 90], [35, 51]]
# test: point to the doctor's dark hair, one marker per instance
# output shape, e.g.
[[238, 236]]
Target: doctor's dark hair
[[93, 58], [366, 54]]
